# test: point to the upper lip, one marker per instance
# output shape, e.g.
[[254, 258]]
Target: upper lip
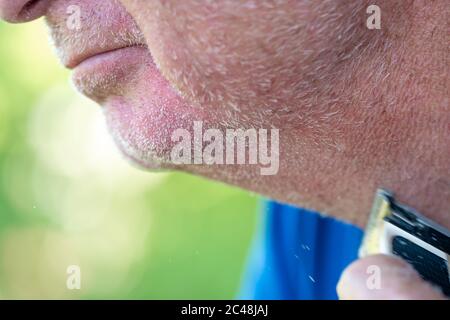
[[76, 59]]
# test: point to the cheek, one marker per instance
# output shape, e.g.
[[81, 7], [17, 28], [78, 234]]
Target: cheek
[[266, 62], [231, 55]]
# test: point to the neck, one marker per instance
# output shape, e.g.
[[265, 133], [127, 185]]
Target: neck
[[394, 136], [383, 125]]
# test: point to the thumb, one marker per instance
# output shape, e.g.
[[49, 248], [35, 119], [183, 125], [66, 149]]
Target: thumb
[[384, 277]]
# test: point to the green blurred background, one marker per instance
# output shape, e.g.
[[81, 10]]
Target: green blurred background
[[68, 198]]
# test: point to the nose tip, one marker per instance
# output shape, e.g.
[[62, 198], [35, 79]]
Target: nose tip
[[19, 11]]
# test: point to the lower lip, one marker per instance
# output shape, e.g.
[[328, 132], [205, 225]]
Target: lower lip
[[140, 105], [102, 75]]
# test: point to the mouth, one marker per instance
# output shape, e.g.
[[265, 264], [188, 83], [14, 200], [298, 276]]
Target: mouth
[[105, 54], [92, 54]]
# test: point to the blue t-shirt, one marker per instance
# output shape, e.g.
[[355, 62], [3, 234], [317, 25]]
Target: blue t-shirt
[[298, 254]]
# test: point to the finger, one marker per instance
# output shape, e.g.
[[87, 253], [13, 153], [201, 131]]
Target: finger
[[384, 277]]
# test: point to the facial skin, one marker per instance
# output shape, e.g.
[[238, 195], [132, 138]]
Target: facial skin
[[357, 109], [350, 97]]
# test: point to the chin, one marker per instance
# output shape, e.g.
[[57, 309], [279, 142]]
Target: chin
[[142, 118]]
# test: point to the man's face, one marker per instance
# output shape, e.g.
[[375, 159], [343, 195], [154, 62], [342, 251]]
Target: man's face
[[228, 63]]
